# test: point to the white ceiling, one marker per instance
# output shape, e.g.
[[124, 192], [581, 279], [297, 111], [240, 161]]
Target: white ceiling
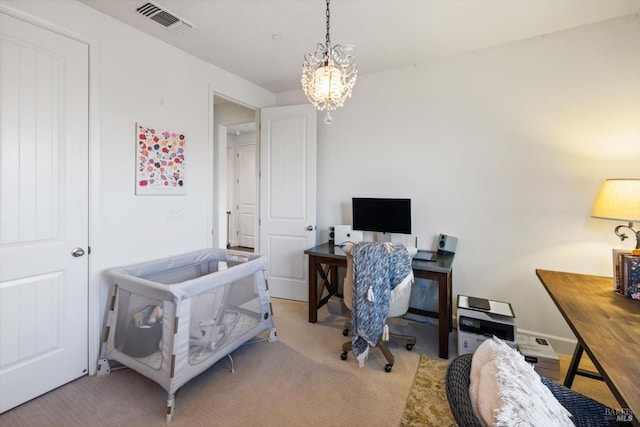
[[236, 35]]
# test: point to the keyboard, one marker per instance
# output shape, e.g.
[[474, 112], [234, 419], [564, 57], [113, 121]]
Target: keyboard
[[426, 256]]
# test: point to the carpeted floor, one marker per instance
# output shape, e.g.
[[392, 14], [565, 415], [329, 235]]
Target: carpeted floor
[[298, 380]]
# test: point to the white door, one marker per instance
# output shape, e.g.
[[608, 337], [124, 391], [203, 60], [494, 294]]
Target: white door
[[43, 210], [246, 194], [231, 230], [288, 197]]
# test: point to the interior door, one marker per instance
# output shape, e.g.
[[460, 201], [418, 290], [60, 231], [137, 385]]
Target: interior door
[[43, 210], [288, 197], [231, 232], [246, 194]]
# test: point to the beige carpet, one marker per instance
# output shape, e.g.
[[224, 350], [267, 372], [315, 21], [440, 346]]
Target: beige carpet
[[298, 380]]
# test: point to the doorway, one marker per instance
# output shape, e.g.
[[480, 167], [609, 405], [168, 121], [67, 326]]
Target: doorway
[[285, 188], [241, 186], [237, 174]]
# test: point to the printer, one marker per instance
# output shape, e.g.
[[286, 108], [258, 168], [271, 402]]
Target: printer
[[477, 324]]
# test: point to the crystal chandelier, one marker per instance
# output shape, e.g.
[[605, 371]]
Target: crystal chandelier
[[328, 74]]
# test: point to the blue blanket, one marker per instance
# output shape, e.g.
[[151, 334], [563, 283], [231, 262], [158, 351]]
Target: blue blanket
[[377, 269]]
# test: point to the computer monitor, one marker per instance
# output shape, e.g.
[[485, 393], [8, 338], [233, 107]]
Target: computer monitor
[[386, 215]]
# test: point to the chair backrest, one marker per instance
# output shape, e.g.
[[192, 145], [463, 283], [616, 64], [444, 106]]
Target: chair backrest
[[400, 296], [347, 291]]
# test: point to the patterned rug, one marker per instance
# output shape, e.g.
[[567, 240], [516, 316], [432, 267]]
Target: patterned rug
[[427, 403]]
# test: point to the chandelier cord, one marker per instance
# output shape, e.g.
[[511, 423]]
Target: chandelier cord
[[328, 18]]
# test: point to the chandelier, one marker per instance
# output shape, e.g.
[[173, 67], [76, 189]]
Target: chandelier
[[328, 74]]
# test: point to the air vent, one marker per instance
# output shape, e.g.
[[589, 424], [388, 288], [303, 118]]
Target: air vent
[[163, 17]]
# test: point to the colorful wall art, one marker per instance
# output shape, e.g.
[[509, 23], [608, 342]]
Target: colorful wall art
[[160, 160]]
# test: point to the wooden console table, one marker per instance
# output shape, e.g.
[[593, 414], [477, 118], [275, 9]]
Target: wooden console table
[[607, 327], [325, 259]]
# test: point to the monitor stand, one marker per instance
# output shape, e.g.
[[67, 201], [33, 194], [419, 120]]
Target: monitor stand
[[384, 237]]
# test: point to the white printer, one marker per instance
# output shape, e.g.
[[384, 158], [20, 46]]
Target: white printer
[[480, 319]]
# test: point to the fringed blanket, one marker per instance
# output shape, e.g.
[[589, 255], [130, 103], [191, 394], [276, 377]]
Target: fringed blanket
[[377, 269]]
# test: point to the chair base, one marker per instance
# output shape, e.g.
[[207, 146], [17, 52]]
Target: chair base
[[407, 340]]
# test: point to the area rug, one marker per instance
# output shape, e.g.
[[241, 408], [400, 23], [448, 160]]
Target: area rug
[[427, 403]]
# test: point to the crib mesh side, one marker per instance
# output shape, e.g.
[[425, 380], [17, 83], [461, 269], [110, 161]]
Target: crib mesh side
[[221, 315], [138, 328]]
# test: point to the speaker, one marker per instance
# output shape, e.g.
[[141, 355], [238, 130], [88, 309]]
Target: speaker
[[332, 235], [447, 244]]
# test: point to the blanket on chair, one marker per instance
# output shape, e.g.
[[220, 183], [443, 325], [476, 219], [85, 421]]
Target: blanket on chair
[[377, 269]]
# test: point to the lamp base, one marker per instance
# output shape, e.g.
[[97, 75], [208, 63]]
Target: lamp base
[[623, 236]]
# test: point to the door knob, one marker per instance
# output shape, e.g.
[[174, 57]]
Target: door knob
[[310, 227], [77, 252]]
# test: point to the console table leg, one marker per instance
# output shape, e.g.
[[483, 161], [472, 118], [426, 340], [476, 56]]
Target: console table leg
[[573, 366]]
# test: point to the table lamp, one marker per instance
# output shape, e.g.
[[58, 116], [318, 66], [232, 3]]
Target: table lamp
[[619, 199]]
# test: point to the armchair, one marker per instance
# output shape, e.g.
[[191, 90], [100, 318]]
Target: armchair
[[584, 411]]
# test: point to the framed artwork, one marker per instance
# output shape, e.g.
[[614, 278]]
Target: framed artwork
[[160, 161]]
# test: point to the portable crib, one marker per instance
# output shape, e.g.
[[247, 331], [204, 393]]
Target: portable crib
[[173, 318]]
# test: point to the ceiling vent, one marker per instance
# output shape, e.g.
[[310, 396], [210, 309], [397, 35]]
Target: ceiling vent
[[162, 16]]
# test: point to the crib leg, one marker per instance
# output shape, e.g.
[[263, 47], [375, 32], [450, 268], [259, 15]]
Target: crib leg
[[103, 367], [231, 359], [171, 405], [273, 336]]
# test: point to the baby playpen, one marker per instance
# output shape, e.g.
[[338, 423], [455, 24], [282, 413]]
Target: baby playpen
[[173, 318]]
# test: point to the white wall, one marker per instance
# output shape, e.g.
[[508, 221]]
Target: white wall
[[138, 78], [504, 148]]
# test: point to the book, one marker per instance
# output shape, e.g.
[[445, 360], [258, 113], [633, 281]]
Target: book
[[631, 275], [618, 269]]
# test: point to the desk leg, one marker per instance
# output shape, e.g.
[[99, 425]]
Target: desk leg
[[575, 370], [313, 290], [444, 315], [573, 366], [450, 298], [334, 280]]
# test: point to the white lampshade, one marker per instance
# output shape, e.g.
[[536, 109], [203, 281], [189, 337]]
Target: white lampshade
[[618, 199]]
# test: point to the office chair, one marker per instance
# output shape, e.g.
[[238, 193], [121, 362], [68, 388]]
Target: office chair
[[398, 305]]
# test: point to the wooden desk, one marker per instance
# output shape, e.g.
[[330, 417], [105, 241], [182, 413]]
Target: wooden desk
[[607, 326], [325, 259]]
